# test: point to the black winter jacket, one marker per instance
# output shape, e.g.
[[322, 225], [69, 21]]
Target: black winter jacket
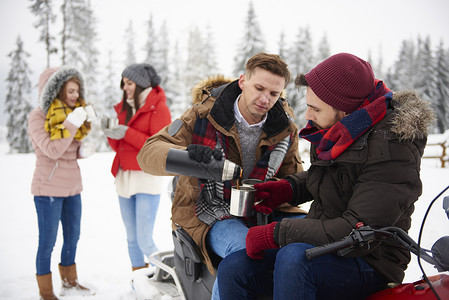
[[375, 181]]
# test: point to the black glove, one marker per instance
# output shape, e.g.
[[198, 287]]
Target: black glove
[[202, 153]]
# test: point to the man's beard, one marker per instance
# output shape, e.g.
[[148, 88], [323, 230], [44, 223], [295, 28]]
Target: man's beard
[[337, 119]]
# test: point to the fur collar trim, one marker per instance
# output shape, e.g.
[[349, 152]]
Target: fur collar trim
[[413, 116], [204, 87], [54, 84]]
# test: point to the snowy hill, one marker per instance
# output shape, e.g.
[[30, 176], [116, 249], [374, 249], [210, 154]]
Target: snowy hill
[[102, 257]]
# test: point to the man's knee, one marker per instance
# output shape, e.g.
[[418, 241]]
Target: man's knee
[[229, 264], [293, 256]]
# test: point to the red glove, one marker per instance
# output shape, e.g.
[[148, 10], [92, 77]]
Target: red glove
[[260, 238], [271, 194]]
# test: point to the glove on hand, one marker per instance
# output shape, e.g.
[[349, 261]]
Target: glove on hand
[[271, 194], [260, 238], [202, 153], [86, 149], [77, 116], [91, 114], [117, 132]]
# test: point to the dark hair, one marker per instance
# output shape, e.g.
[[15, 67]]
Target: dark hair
[[125, 106], [62, 94], [300, 80], [270, 62]]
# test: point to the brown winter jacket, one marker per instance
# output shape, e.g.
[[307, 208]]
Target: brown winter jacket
[[152, 156], [375, 181]]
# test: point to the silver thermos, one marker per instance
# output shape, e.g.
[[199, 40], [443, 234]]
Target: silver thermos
[[178, 162]]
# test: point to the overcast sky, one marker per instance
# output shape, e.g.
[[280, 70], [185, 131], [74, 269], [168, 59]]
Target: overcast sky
[[355, 26]]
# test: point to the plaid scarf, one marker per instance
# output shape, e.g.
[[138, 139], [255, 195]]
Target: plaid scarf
[[331, 142], [56, 115], [213, 202]]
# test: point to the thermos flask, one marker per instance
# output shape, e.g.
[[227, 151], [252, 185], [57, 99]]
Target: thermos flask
[[178, 162]]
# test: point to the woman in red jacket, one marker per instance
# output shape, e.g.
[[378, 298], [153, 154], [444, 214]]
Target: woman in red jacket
[[141, 113]]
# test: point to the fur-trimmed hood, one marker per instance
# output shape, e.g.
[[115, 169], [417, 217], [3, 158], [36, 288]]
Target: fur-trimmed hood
[[204, 87], [413, 116], [52, 80]]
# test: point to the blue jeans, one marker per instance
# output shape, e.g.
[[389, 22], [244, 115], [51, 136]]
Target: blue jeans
[[286, 273], [139, 214], [51, 210], [226, 237], [229, 235]]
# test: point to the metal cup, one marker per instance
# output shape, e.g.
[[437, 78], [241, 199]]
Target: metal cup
[[242, 200], [112, 122], [90, 111], [262, 219], [250, 182]]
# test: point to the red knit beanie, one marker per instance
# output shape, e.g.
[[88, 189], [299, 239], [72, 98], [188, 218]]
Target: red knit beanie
[[343, 81]]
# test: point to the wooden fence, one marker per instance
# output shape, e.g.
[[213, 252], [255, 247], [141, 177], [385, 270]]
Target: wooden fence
[[438, 147]]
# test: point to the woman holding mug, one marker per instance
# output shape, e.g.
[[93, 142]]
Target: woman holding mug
[[56, 129], [141, 113]]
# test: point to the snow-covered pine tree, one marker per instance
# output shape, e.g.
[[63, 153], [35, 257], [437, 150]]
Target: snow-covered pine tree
[[442, 92], [402, 74], [252, 42], [210, 57], [161, 57], [379, 66], [376, 66], [74, 18], [195, 65], [177, 94], [157, 50], [426, 84], [324, 50], [110, 96], [43, 10], [389, 78], [300, 61], [78, 41], [151, 42], [282, 46], [17, 106], [130, 39]]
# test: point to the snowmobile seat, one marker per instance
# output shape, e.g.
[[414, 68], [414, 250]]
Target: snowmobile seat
[[197, 281]]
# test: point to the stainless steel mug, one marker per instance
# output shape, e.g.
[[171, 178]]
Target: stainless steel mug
[[242, 200], [250, 182], [90, 111], [112, 122], [262, 219]]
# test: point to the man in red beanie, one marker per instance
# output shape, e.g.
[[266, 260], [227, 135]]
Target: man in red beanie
[[366, 148]]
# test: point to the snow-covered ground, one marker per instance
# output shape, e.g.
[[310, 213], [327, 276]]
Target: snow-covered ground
[[102, 257]]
